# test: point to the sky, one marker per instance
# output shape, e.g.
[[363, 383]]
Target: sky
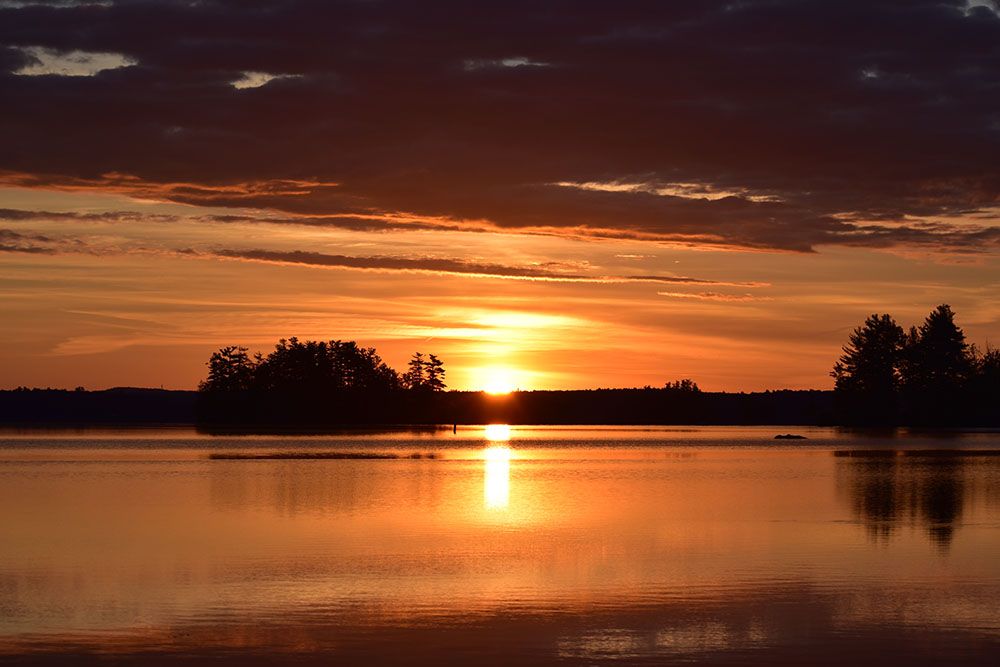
[[544, 194]]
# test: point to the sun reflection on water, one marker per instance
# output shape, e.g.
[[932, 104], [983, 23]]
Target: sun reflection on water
[[496, 477], [497, 432]]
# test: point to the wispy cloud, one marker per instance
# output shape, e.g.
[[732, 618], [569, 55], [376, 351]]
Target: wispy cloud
[[551, 271], [449, 266], [714, 296], [682, 280]]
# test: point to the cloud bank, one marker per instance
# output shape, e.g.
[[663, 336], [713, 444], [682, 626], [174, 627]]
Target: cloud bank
[[774, 125]]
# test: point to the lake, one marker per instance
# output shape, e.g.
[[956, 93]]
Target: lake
[[528, 545]]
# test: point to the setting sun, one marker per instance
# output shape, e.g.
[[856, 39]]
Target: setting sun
[[498, 381]]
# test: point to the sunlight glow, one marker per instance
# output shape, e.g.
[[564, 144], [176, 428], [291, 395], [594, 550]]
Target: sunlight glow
[[497, 433], [496, 475], [498, 381]]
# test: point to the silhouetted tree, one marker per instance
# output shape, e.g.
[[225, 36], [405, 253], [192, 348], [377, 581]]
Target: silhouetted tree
[[415, 377], [686, 385], [314, 367], [984, 386], [297, 383], [987, 370], [937, 356], [435, 374], [230, 369], [866, 377], [937, 365]]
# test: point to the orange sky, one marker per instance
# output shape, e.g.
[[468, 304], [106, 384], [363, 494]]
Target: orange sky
[[595, 194], [145, 301]]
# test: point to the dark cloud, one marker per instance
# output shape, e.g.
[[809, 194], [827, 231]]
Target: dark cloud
[[681, 280], [777, 124], [11, 235], [369, 223], [447, 266], [27, 249], [11, 241], [14, 59], [22, 215], [387, 263]]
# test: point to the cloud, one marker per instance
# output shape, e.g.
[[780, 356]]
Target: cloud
[[781, 125], [22, 215], [18, 4], [702, 191], [445, 266], [41, 61], [570, 272], [264, 192], [472, 65], [681, 280], [11, 241], [256, 79], [353, 222], [713, 296], [388, 263]]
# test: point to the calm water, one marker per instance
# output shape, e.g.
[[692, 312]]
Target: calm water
[[576, 545]]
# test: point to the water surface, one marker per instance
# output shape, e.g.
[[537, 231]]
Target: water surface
[[535, 545]]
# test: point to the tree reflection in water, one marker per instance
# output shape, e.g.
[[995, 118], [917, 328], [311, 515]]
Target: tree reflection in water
[[888, 491]]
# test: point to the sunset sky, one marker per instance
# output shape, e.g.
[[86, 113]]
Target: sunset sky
[[546, 195]]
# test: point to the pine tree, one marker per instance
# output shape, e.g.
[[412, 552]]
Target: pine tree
[[230, 369], [871, 357], [937, 370], [415, 377], [435, 374], [867, 374], [938, 358]]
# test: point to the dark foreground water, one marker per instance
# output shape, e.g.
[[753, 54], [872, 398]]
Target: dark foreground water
[[554, 545]]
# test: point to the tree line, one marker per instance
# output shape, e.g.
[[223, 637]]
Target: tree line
[[316, 383], [310, 366], [928, 375]]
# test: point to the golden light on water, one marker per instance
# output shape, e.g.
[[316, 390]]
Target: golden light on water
[[497, 433], [496, 476]]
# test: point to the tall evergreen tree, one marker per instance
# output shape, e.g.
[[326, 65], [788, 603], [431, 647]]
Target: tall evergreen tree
[[230, 369], [938, 358], [937, 367], [435, 374], [414, 378], [866, 375]]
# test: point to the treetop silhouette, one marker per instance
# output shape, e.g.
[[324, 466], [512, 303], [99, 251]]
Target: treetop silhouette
[[928, 375], [317, 367]]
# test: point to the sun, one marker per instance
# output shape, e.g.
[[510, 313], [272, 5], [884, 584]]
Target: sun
[[498, 381]]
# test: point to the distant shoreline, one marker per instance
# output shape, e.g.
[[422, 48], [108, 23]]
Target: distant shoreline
[[144, 407], [139, 407]]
